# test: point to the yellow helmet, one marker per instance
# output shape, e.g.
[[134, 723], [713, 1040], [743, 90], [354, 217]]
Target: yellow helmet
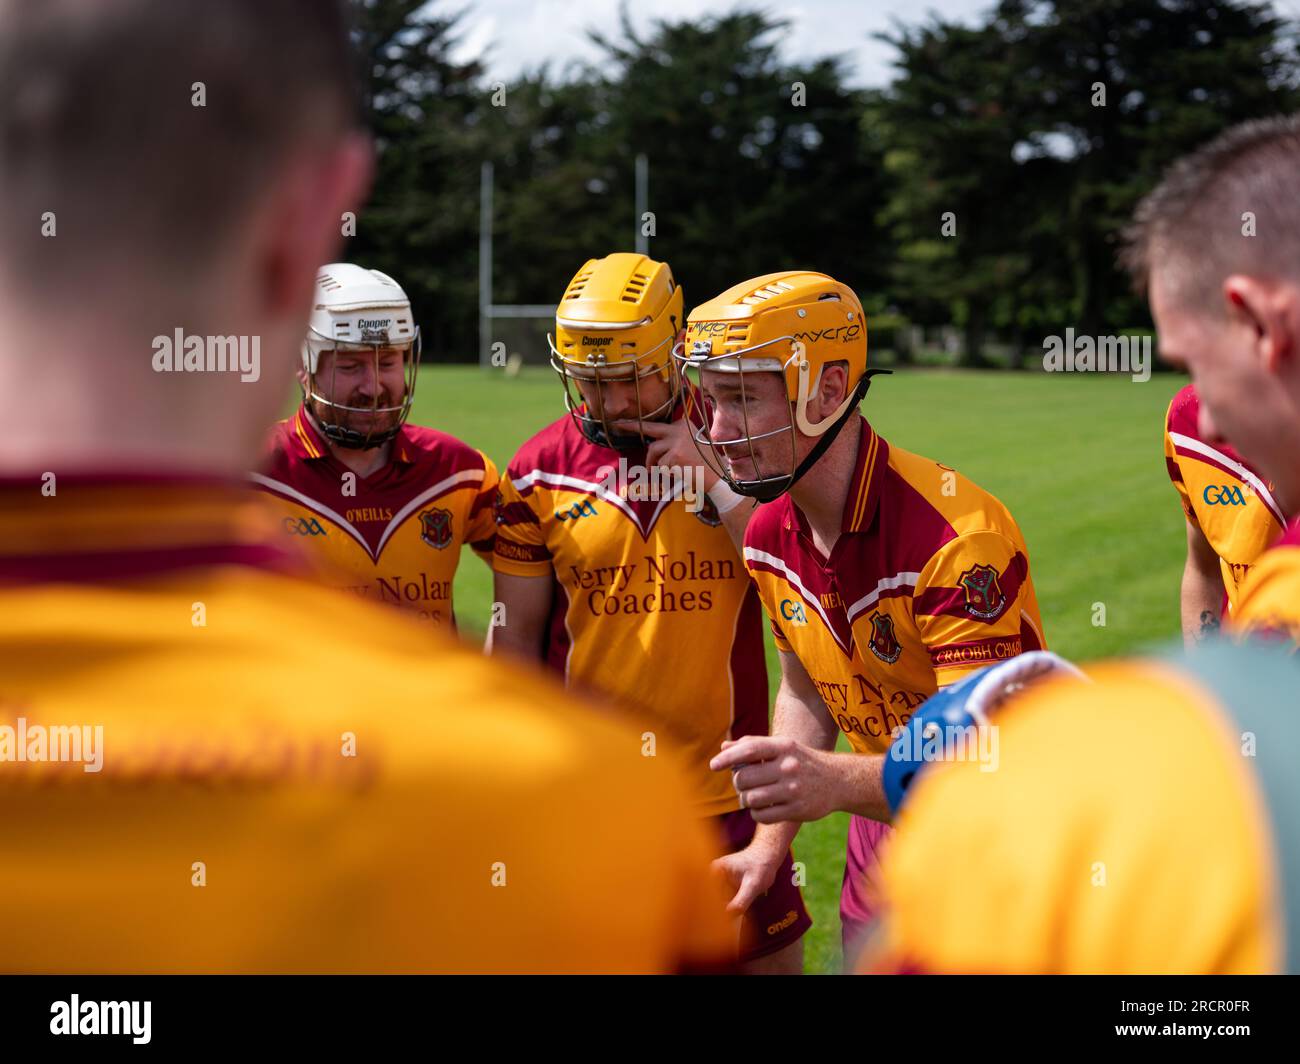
[[617, 321], [795, 323]]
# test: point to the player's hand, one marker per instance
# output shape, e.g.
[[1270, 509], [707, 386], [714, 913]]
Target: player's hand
[[750, 872], [780, 779], [670, 446]]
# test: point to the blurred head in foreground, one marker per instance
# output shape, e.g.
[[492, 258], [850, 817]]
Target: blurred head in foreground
[[1217, 248], [171, 176]]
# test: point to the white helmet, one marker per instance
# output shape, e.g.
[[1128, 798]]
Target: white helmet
[[359, 310]]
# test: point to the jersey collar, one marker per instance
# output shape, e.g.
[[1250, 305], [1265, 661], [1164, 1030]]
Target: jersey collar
[[864, 486], [306, 441], [118, 525]]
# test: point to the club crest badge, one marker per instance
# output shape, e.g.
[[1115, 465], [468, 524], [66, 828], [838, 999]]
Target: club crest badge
[[884, 644], [435, 527], [984, 597]]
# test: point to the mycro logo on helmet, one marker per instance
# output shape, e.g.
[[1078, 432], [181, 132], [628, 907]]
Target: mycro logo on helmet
[[705, 327], [300, 526], [1223, 495], [793, 612], [842, 333]]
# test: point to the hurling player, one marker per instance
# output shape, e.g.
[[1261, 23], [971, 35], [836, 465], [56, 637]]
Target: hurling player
[[1228, 309], [885, 575], [628, 583], [1231, 514], [254, 773], [384, 506]]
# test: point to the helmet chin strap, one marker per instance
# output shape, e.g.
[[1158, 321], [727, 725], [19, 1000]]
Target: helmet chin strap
[[773, 488], [624, 443], [351, 439], [597, 435]]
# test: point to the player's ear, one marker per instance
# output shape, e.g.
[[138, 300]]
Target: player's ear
[[834, 384], [1260, 308]]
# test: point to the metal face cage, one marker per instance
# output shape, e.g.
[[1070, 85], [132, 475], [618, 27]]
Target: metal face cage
[[339, 433]]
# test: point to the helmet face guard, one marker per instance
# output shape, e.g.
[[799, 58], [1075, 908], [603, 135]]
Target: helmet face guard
[[331, 416], [776, 356], [595, 369]]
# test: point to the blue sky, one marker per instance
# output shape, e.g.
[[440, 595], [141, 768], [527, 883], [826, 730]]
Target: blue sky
[[514, 35]]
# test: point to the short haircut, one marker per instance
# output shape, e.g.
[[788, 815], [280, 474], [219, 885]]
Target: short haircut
[[1190, 227], [100, 125]]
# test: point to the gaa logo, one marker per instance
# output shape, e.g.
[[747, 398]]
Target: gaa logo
[[577, 510], [300, 526], [1223, 495], [793, 612]]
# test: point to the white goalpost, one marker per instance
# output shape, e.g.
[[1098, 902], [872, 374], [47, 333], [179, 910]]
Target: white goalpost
[[489, 312]]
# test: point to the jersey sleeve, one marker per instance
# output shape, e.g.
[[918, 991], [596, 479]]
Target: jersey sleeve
[[778, 636], [1268, 604], [1176, 473], [519, 548], [482, 525], [763, 585], [969, 601]]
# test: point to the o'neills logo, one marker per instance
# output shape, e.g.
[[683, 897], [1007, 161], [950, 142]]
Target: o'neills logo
[[179, 353], [368, 513], [38, 742]]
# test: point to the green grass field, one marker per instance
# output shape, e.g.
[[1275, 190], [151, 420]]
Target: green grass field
[[1076, 458]]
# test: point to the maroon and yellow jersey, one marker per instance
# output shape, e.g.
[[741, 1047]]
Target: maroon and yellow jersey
[[396, 535], [928, 581], [1268, 602], [255, 773], [1229, 502], [652, 605]]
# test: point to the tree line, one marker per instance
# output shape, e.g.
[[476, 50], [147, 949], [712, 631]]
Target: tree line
[[983, 188]]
